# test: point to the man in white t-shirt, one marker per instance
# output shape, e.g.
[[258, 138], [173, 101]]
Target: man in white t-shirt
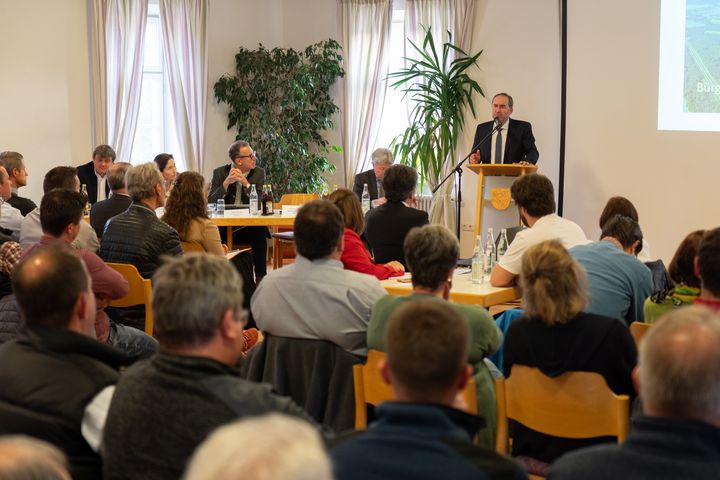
[[535, 198]]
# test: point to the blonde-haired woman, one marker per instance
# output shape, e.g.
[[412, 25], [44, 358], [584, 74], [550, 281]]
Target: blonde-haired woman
[[556, 336]]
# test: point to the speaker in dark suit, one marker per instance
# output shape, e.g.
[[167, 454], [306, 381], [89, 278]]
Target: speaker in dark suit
[[103, 157]]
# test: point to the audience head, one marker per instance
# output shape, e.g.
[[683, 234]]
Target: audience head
[[349, 206], [144, 183], [319, 230], [5, 185], [242, 155], [53, 289], [61, 177], [626, 231], [15, 167], [679, 366], [268, 447], [187, 201], [427, 346], [399, 183], [116, 176], [618, 206], [103, 157], [59, 209], [382, 158], [708, 263], [166, 164], [431, 253], [553, 284], [682, 265], [534, 194], [27, 458], [196, 300]]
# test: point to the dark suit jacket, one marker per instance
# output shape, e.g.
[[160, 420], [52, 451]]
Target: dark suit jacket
[[104, 210], [368, 176], [256, 176], [86, 174], [386, 227], [519, 142], [25, 205]]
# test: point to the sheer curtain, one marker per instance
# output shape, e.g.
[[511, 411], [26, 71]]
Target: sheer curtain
[[456, 16], [184, 29], [117, 33], [365, 26]]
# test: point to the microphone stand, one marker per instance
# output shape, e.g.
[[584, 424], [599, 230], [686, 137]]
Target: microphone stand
[[458, 170]]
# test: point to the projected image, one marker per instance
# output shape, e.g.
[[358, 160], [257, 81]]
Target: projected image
[[702, 56]]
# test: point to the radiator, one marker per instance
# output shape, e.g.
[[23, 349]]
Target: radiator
[[423, 202]]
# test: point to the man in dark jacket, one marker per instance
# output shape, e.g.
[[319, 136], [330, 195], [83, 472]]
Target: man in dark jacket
[[138, 236], [118, 202], [94, 173], [15, 167], [191, 387], [57, 380]]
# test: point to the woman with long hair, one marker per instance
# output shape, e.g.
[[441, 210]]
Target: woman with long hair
[[166, 165], [355, 256]]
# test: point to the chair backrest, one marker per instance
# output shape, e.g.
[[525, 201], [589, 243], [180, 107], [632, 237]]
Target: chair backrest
[[572, 405], [370, 388], [298, 198], [192, 247], [638, 330], [140, 292]]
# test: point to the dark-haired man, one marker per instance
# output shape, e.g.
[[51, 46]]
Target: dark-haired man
[[94, 173], [15, 167], [315, 298], [618, 282], [535, 198]]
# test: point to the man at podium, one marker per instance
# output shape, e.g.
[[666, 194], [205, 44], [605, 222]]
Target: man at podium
[[512, 141]]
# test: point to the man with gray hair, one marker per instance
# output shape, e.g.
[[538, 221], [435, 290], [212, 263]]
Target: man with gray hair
[[191, 386], [138, 236], [381, 159], [10, 217], [679, 382], [15, 167], [118, 202]]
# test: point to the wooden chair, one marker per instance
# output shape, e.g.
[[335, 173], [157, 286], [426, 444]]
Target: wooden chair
[[140, 292], [572, 405], [287, 237], [638, 330], [370, 388], [192, 247]]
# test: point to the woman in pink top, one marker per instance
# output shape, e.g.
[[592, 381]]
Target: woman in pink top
[[355, 256]]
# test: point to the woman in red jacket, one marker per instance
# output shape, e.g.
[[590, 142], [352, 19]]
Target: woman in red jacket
[[355, 256]]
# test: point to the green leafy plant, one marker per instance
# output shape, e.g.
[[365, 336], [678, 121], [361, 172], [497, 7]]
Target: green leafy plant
[[279, 101], [440, 91]]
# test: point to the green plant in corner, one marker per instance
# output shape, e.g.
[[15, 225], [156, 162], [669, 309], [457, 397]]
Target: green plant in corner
[[279, 100], [440, 91]]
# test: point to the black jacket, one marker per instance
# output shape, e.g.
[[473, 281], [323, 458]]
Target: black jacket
[[256, 177], [519, 142], [104, 210], [25, 205], [140, 238], [368, 176], [386, 227], [86, 174]]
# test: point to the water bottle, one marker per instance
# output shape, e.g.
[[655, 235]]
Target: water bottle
[[365, 199], [220, 207], [253, 201], [490, 254], [86, 209], [477, 262], [502, 245]]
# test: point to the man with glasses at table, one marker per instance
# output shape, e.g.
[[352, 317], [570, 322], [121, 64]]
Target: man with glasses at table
[[232, 183]]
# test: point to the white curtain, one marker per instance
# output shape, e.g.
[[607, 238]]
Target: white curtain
[[184, 30], [456, 16], [365, 26], [117, 33]]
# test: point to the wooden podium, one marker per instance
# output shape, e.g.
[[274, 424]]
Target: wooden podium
[[493, 170]]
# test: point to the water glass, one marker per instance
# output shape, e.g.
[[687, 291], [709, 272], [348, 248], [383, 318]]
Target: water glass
[[220, 207], [211, 210]]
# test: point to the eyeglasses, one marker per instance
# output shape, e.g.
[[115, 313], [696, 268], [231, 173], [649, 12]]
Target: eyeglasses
[[252, 154]]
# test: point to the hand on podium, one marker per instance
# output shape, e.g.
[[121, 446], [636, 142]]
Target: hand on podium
[[475, 157]]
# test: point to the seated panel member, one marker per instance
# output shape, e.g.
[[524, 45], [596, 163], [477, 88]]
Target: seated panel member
[[94, 173], [381, 160]]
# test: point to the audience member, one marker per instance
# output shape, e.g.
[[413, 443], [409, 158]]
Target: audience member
[[31, 230], [707, 267], [682, 272], [432, 253], [94, 173], [315, 298], [623, 206], [15, 167], [57, 379], [387, 225], [232, 183], [10, 217], [419, 434], [618, 282], [355, 256], [118, 202], [556, 336], [679, 434], [268, 447], [381, 160], [60, 216], [535, 198], [26, 458], [137, 236], [191, 386], [166, 165]]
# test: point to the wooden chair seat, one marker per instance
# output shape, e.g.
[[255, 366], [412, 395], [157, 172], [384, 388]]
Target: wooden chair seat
[[638, 330], [140, 292]]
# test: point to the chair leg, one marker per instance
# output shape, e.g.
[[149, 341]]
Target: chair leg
[[277, 253]]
